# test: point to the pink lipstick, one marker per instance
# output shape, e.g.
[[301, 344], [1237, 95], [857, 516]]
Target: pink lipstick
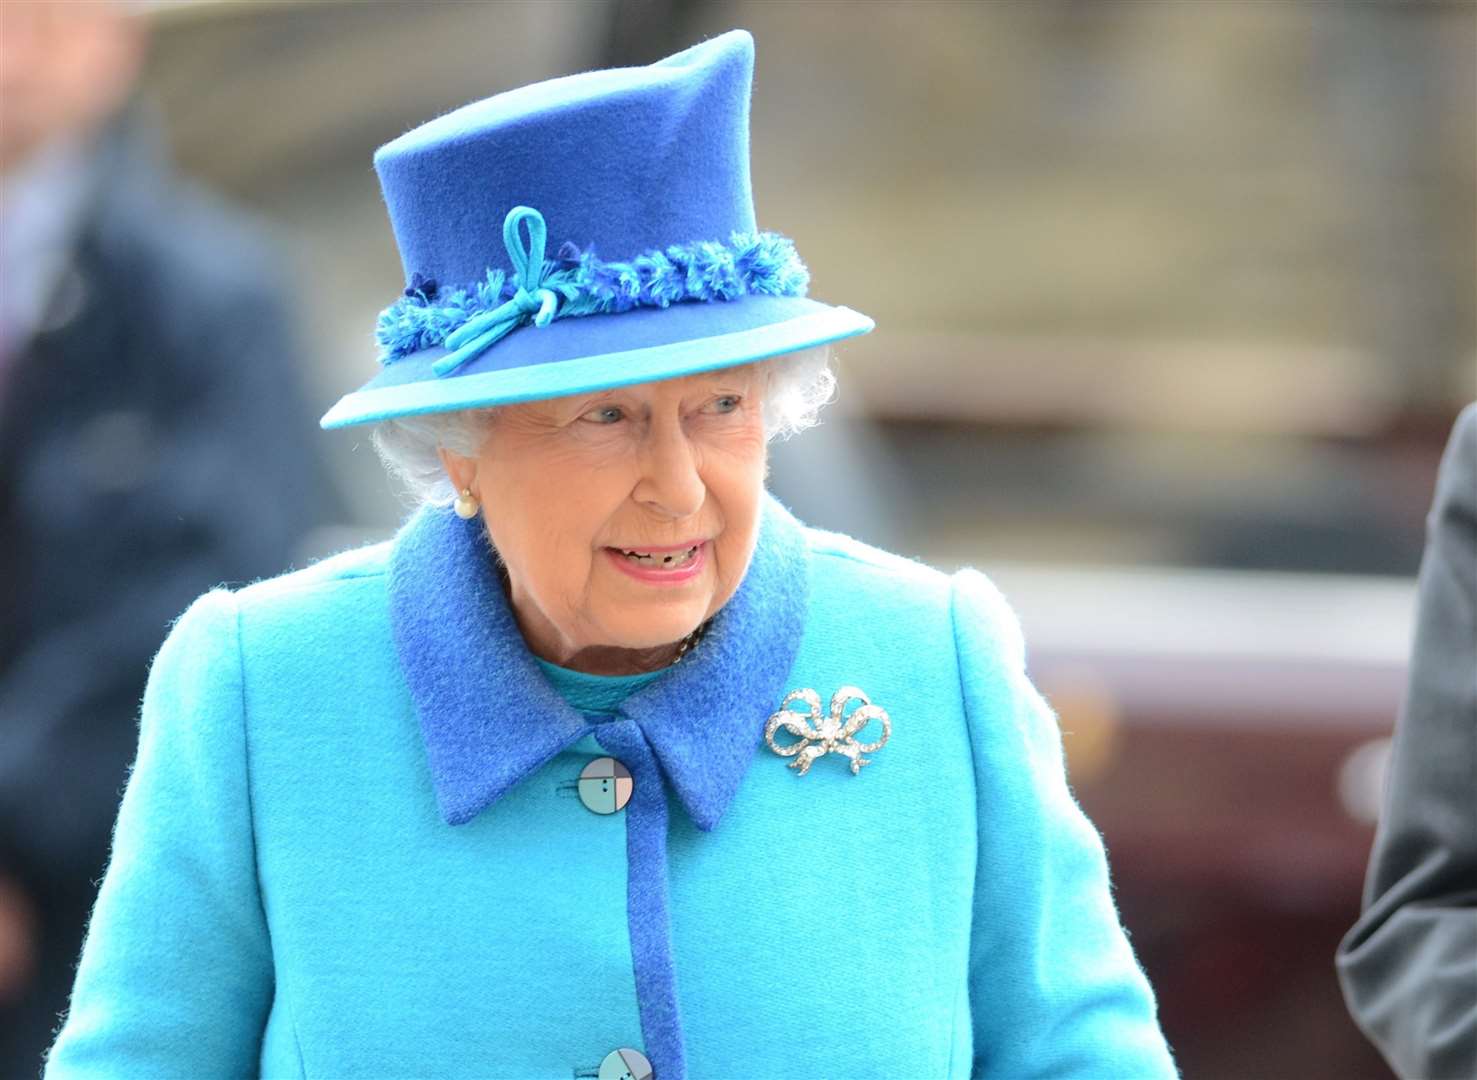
[[662, 565]]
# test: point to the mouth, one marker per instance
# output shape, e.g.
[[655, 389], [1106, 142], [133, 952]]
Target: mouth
[[674, 567], [674, 558]]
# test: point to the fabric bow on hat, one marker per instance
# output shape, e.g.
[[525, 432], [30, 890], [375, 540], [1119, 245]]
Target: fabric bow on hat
[[477, 333]]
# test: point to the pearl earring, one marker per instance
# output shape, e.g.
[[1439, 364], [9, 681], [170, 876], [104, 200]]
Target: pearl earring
[[466, 506]]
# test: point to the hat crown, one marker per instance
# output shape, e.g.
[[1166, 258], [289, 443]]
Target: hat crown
[[620, 161]]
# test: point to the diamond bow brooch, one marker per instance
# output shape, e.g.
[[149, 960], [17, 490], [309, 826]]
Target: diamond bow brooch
[[820, 735]]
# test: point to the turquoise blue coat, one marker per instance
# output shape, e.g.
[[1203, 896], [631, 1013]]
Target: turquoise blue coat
[[352, 844]]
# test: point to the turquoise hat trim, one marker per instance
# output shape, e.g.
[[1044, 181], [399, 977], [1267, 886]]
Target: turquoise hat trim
[[470, 320], [559, 378]]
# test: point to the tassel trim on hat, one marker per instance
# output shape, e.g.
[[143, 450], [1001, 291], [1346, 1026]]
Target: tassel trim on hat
[[470, 319]]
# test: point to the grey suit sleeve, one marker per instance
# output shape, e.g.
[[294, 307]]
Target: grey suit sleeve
[[1408, 967]]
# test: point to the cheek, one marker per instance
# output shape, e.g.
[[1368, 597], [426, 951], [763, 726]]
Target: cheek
[[740, 502], [560, 501], [731, 457], [562, 547], [544, 538]]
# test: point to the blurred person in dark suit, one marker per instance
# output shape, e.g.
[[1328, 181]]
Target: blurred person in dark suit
[[1409, 965], [147, 452]]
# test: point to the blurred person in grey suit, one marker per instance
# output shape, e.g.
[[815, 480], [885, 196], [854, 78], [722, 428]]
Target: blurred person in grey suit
[[1409, 965], [147, 452]]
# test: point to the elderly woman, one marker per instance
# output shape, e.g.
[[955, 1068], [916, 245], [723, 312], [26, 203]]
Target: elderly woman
[[605, 765]]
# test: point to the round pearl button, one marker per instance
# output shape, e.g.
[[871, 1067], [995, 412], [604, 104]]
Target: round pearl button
[[625, 1064], [605, 786]]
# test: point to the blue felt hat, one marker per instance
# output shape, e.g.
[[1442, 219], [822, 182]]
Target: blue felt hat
[[584, 233]]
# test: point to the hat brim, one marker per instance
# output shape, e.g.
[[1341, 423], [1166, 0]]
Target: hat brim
[[598, 352]]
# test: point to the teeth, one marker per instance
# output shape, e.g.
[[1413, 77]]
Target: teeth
[[670, 561]]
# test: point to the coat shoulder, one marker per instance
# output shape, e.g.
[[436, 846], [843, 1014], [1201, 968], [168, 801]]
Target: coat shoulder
[[839, 553], [856, 576], [825, 545], [978, 613], [370, 560], [324, 594]]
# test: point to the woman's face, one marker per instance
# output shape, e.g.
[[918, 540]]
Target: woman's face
[[567, 484]]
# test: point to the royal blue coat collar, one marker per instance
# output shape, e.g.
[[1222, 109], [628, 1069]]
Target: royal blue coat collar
[[490, 717]]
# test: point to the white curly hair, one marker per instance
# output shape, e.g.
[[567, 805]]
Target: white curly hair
[[800, 385]]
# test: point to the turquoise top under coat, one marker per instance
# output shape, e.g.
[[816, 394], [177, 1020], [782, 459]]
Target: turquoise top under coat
[[595, 695]]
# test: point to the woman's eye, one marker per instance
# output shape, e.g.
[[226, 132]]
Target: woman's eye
[[606, 414], [732, 402]]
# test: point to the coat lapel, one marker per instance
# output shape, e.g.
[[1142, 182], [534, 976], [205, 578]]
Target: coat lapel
[[489, 717]]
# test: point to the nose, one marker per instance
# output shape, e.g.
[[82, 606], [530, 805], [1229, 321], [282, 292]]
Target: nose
[[670, 482]]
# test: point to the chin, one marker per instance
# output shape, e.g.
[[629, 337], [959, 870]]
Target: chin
[[653, 633]]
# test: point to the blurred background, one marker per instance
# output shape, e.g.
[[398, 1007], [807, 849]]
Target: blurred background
[[1175, 308]]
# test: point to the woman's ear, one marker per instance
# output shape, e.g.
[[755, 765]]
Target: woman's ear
[[460, 471]]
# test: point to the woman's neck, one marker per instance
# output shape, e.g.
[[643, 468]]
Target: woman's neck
[[613, 660]]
